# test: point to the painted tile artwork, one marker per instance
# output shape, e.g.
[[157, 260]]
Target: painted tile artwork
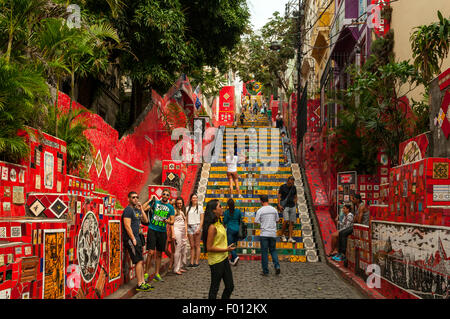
[[88, 246], [54, 265], [415, 258], [115, 266]]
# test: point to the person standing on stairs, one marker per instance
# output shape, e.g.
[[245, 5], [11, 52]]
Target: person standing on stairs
[[231, 220], [232, 174], [179, 236], [216, 245], [195, 218], [242, 118], [132, 217], [267, 216], [163, 214], [287, 203]]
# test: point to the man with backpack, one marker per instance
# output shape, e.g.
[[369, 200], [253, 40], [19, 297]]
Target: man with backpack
[[287, 202]]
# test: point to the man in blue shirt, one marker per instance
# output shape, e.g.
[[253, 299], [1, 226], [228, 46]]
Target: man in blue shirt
[[163, 214], [132, 216]]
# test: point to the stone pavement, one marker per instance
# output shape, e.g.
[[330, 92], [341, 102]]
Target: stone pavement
[[296, 281]]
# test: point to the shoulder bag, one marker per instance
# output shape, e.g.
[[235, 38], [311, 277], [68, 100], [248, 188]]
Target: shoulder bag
[[242, 229], [284, 202]]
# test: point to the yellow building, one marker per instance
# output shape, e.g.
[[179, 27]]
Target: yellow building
[[316, 42], [406, 15]]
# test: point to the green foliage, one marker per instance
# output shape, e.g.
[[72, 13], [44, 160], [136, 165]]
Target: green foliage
[[69, 126], [254, 59], [381, 122], [22, 94], [430, 46]]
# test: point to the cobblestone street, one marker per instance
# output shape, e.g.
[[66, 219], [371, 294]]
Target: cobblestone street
[[296, 281]]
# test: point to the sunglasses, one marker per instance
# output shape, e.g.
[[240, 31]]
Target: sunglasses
[[133, 197], [166, 194]]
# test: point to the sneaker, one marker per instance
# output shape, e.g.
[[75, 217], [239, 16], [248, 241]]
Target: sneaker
[[291, 240], [157, 278], [236, 261], [283, 238], [277, 271], [143, 287], [190, 266], [264, 274], [338, 257], [196, 265], [149, 286], [146, 277]]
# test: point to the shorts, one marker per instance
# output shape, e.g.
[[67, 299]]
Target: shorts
[[232, 174], [193, 228], [135, 252], [156, 239], [289, 214]]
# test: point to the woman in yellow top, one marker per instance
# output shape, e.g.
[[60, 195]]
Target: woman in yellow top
[[216, 245]]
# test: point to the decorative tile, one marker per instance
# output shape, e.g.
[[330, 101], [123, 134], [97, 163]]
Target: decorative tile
[[13, 175], [2, 232], [18, 195], [58, 207], [38, 182], [441, 193], [4, 173], [37, 207], [98, 163], [108, 167], [6, 206], [7, 191], [440, 170], [16, 232], [22, 176]]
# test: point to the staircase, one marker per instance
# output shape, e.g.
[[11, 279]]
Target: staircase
[[256, 179]]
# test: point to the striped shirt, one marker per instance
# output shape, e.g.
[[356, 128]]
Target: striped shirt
[[267, 216]]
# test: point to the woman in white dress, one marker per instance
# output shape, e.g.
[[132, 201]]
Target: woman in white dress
[[179, 236]]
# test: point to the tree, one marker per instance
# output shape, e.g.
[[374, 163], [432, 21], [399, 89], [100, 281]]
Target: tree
[[379, 120], [172, 37], [254, 58], [70, 127], [430, 46], [23, 93]]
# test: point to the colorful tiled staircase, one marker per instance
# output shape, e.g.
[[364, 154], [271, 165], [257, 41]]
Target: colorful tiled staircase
[[256, 179]]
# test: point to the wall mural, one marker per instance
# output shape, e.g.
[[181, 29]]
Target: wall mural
[[114, 250], [88, 247], [54, 270], [414, 258]]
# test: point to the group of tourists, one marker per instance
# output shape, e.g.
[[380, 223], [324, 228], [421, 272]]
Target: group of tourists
[[171, 224]]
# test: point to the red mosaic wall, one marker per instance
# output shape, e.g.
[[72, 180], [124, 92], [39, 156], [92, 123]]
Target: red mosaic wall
[[59, 237]]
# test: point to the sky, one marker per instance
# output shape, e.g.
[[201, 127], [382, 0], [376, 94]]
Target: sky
[[262, 10]]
